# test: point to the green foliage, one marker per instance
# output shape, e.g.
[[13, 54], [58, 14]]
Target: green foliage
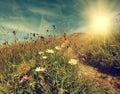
[[57, 76]]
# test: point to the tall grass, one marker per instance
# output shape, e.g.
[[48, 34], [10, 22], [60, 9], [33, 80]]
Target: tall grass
[[101, 52], [25, 71]]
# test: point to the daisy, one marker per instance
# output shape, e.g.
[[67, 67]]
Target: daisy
[[50, 51], [40, 69], [44, 57], [73, 61], [40, 53], [58, 48]]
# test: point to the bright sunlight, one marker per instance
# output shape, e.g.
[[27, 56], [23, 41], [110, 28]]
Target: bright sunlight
[[101, 23], [99, 18]]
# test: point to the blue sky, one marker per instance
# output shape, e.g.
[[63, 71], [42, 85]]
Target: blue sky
[[36, 16]]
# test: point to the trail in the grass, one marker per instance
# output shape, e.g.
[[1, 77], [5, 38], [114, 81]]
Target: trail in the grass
[[90, 72]]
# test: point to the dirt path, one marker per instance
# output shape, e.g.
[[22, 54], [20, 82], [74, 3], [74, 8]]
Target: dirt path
[[100, 78]]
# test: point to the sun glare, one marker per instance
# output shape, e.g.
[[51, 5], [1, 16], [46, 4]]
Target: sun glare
[[99, 16], [100, 24]]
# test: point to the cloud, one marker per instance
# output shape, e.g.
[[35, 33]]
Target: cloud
[[20, 27], [25, 15], [42, 11], [44, 25], [26, 27], [16, 18]]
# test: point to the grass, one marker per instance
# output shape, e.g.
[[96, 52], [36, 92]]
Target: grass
[[25, 71], [105, 55], [101, 52]]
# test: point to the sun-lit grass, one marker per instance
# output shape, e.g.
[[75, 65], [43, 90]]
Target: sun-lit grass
[[50, 66], [100, 51]]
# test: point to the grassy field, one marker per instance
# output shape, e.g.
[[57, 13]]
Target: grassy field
[[52, 66]]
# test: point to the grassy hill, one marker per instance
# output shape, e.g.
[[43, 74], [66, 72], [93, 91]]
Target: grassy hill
[[80, 64]]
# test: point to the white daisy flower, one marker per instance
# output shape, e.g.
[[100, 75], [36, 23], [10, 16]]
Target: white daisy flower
[[40, 53], [40, 69], [50, 51], [58, 48], [73, 61], [44, 57]]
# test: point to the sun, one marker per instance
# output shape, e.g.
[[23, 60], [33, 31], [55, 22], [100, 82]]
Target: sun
[[100, 23], [99, 17]]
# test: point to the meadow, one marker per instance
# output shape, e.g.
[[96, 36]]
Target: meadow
[[53, 66]]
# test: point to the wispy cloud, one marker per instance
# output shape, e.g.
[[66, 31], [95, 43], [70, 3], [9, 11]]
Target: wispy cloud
[[18, 26], [25, 27], [42, 11]]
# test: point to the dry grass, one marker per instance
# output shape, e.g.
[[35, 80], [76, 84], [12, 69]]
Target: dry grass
[[25, 55]]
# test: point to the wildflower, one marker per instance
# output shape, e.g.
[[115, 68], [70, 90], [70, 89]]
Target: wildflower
[[14, 33], [33, 34], [47, 30], [40, 69], [58, 48], [24, 78], [50, 51], [40, 53], [54, 27], [73, 61], [42, 37], [65, 36], [44, 57]]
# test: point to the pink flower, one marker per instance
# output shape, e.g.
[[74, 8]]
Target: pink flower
[[24, 78]]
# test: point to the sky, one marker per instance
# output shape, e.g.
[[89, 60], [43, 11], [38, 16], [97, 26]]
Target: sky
[[37, 16]]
